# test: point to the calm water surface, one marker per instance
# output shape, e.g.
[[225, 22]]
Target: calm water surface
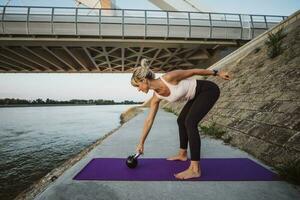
[[34, 140]]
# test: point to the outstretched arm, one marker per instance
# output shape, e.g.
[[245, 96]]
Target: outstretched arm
[[220, 73], [181, 74], [148, 123]]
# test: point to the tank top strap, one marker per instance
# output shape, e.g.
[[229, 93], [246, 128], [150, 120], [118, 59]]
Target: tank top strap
[[168, 84]]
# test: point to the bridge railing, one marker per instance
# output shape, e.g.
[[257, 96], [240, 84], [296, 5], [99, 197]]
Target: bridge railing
[[55, 21]]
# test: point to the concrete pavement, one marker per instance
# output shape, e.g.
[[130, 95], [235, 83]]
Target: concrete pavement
[[163, 141]]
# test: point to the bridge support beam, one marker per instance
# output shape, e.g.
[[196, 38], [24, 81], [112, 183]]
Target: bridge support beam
[[82, 55]]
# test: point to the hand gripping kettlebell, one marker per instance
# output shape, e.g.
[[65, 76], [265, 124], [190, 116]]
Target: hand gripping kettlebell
[[132, 161]]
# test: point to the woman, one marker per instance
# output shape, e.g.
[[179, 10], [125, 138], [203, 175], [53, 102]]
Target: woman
[[176, 85]]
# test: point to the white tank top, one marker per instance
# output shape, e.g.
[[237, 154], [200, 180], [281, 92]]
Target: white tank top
[[184, 90]]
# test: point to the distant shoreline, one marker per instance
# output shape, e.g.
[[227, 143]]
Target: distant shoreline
[[46, 105]]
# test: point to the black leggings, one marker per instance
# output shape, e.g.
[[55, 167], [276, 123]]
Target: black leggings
[[207, 93]]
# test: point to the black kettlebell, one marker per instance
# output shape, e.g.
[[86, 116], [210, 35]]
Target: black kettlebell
[[132, 161]]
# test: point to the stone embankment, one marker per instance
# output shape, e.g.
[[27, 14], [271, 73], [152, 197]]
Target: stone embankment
[[260, 107]]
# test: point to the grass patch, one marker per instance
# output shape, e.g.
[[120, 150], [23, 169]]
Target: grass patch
[[170, 110], [256, 50], [290, 171], [227, 139], [213, 130]]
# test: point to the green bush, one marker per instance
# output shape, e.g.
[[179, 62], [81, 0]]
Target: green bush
[[290, 171], [213, 130], [274, 43]]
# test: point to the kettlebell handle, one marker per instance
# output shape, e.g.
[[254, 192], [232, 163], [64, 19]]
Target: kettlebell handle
[[136, 155]]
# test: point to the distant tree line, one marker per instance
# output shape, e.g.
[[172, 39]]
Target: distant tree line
[[39, 101]]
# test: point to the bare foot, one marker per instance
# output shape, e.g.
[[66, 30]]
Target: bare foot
[[178, 157], [182, 155], [187, 174]]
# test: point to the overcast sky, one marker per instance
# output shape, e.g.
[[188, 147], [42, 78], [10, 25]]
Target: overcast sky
[[115, 86]]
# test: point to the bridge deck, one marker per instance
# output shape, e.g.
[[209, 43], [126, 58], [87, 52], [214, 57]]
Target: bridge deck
[[128, 22]]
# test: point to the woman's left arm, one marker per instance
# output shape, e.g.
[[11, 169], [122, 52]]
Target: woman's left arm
[[219, 73], [180, 74]]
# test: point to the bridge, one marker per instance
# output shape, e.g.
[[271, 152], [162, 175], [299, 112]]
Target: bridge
[[36, 39]]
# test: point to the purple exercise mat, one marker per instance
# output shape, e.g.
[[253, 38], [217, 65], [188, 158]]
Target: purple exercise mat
[[160, 169]]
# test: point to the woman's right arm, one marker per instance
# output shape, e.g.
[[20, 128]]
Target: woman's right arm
[[148, 122]]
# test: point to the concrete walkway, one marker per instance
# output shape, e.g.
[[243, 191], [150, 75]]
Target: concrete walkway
[[162, 142]]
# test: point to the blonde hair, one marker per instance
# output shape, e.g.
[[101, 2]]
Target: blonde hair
[[142, 72]]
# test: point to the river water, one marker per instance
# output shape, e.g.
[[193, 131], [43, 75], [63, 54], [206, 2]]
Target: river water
[[35, 140]]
